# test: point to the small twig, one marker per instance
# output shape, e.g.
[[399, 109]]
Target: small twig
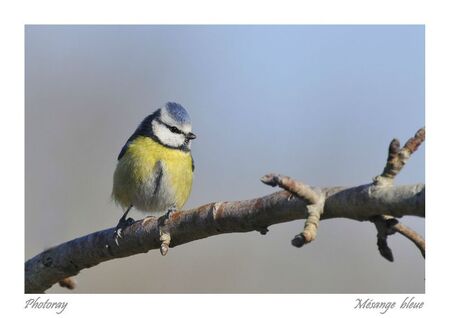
[[164, 233], [164, 238], [314, 203], [311, 225], [384, 225], [297, 188], [411, 235], [68, 283], [397, 158]]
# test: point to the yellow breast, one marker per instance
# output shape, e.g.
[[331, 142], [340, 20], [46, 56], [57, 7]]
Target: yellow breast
[[140, 162]]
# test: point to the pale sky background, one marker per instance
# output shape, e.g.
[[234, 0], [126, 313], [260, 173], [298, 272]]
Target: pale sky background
[[317, 103]]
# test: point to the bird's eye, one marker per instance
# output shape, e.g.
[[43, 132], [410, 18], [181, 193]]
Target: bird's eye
[[174, 129]]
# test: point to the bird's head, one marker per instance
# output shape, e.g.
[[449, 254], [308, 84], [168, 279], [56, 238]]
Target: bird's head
[[171, 125]]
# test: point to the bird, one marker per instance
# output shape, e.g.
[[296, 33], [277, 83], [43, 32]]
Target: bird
[[155, 168]]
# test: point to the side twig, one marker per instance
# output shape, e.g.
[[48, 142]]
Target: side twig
[[314, 202], [397, 158], [412, 236], [68, 283], [385, 226]]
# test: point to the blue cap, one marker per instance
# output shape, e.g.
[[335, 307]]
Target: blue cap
[[178, 113]]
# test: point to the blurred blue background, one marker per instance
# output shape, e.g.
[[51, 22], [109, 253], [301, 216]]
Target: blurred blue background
[[317, 103]]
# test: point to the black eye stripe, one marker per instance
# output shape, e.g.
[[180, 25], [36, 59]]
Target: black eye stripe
[[172, 128]]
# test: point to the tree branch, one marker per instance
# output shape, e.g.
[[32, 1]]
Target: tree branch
[[358, 203], [361, 203]]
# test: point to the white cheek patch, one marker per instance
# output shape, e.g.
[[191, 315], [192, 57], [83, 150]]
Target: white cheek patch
[[167, 119], [166, 136]]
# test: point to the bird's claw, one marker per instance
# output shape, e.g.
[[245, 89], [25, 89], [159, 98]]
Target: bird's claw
[[118, 232], [117, 235]]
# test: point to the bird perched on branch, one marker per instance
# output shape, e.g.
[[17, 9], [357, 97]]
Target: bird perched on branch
[[155, 168]]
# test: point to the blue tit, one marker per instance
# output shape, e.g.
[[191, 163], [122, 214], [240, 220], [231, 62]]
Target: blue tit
[[155, 168]]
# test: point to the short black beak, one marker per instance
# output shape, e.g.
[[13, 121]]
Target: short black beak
[[191, 136]]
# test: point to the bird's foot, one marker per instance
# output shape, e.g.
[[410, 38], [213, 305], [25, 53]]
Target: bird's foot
[[123, 223], [170, 211]]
